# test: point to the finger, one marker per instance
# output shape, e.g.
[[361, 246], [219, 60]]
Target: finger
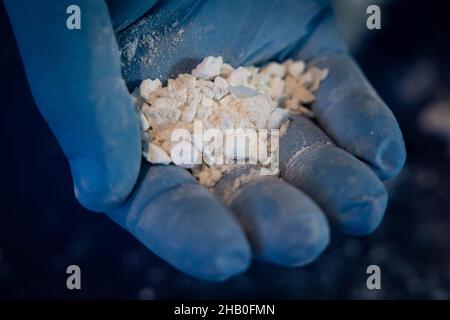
[[344, 187], [347, 107], [283, 224], [181, 222], [351, 112], [75, 80]]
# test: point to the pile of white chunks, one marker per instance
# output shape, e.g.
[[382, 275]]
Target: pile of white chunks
[[221, 97]]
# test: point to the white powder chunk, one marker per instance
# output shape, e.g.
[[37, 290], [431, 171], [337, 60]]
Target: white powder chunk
[[208, 68], [239, 77], [243, 91], [155, 154], [258, 109], [149, 86], [187, 81], [275, 69], [161, 116], [205, 109], [226, 70], [305, 79], [191, 109], [276, 88], [277, 118], [296, 68], [163, 103], [220, 87]]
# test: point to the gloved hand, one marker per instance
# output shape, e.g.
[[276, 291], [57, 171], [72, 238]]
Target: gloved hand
[[336, 169]]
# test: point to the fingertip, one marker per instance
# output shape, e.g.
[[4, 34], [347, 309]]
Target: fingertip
[[351, 112], [184, 224], [361, 123], [283, 224], [101, 187], [194, 232], [106, 159], [362, 215], [390, 158], [226, 264]]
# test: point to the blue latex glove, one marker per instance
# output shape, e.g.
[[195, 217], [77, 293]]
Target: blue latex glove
[[75, 78]]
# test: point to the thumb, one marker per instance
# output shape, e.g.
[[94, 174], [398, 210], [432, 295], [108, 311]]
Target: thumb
[[75, 79]]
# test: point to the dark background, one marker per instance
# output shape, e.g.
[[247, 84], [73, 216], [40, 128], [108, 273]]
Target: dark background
[[43, 229]]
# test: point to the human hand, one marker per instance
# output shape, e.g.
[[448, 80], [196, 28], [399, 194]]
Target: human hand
[[168, 211]]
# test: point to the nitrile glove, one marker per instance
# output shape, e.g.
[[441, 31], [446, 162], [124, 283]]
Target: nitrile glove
[[75, 77]]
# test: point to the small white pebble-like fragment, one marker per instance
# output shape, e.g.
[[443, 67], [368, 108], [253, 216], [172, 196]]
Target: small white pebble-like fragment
[[220, 87], [277, 118], [208, 68], [205, 109], [181, 96], [296, 68], [229, 102], [243, 91], [226, 70], [275, 69], [187, 80], [155, 154], [148, 86], [260, 103], [162, 116], [163, 103], [190, 110], [207, 91], [239, 77], [258, 109], [276, 88], [305, 79]]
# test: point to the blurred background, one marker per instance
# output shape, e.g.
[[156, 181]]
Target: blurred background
[[43, 229]]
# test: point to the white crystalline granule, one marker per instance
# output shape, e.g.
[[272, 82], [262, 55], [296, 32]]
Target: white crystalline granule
[[239, 77], [149, 86], [209, 68], [222, 97], [155, 154]]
